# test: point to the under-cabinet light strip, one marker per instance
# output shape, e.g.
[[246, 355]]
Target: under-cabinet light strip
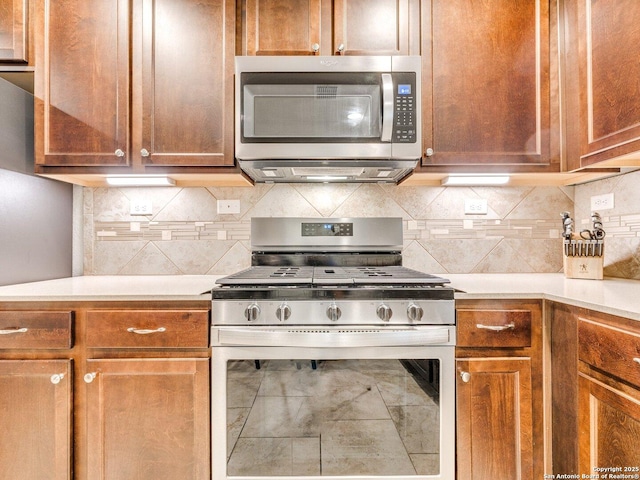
[[141, 181], [454, 180]]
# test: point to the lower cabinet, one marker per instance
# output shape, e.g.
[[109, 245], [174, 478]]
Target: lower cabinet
[[148, 418], [609, 434], [105, 391], [608, 397], [500, 415], [495, 429], [596, 394], [146, 391], [35, 419]]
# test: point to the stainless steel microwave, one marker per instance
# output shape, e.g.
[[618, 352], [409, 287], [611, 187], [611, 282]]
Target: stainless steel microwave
[[343, 118]]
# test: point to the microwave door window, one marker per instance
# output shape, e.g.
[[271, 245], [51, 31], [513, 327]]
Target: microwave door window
[[319, 112]]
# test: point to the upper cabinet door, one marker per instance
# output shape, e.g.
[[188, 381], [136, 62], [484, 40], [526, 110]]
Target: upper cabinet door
[[284, 27], [486, 96], [82, 84], [186, 56], [13, 31], [318, 27], [376, 27], [603, 39]]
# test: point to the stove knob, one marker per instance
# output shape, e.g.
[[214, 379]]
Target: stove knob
[[252, 312], [334, 312], [414, 312], [283, 312], [384, 312]]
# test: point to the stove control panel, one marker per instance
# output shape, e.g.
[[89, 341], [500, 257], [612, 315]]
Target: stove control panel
[[328, 312], [326, 229]]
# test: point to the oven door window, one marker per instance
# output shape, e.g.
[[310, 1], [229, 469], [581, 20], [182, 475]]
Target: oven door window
[[300, 418]]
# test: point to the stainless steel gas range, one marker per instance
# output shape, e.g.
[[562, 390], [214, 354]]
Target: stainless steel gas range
[[317, 359]]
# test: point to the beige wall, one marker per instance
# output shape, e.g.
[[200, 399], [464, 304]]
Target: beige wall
[[185, 235]]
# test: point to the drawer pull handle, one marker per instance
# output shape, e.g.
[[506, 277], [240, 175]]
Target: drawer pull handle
[[10, 331], [465, 377], [90, 377], [142, 331], [496, 328], [637, 360], [56, 378]]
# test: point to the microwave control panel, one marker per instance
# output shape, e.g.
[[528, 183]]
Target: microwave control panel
[[404, 121]]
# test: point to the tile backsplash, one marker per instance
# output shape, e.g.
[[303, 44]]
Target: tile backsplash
[[520, 233], [622, 223], [185, 234]]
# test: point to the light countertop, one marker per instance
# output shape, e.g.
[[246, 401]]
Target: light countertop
[[611, 295], [615, 296], [113, 288]]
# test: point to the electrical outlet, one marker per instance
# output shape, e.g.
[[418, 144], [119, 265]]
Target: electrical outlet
[[141, 207], [475, 206], [228, 206], [602, 202]]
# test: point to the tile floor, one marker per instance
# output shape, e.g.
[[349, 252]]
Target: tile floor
[[347, 417]]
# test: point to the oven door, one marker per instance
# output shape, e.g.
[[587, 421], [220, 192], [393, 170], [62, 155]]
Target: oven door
[[349, 408]]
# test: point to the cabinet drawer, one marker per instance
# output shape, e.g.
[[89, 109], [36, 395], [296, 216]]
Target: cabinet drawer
[[493, 328], [148, 328], [610, 349], [35, 329]]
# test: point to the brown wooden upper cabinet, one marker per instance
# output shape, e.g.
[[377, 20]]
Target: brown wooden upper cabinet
[[322, 27], [485, 84], [134, 84], [603, 96], [14, 32]]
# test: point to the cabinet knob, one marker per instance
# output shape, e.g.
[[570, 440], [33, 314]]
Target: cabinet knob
[[144, 152], [90, 377], [429, 152], [465, 377], [637, 360], [56, 378], [119, 153], [315, 47], [341, 48]]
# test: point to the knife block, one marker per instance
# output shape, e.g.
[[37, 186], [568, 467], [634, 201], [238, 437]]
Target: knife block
[[586, 267]]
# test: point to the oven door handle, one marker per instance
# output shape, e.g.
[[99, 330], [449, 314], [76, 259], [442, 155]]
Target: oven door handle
[[331, 339]]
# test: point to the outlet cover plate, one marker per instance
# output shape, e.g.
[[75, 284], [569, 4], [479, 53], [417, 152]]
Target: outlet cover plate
[[228, 206], [475, 206], [141, 207], [602, 202]]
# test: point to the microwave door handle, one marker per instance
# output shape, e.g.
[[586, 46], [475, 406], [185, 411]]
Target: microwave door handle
[[387, 107]]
